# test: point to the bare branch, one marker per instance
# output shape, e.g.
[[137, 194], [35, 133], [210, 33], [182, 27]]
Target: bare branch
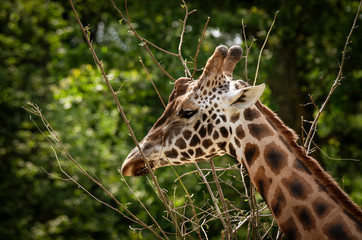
[[161, 194], [154, 86], [36, 110], [247, 50], [144, 207], [262, 48], [222, 200], [190, 199], [140, 38], [335, 84], [212, 196], [182, 38], [157, 47], [198, 47]]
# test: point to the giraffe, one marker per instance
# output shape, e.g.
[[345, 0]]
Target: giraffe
[[217, 115]]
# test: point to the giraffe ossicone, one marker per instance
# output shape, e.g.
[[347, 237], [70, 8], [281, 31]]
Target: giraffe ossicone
[[217, 115]]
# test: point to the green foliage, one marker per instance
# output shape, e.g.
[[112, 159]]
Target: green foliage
[[45, 60]]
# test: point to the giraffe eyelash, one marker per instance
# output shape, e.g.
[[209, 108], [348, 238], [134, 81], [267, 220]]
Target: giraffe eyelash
[[186, 113]]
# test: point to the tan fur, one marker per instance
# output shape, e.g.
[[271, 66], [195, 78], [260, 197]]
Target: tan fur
[[312, 165]]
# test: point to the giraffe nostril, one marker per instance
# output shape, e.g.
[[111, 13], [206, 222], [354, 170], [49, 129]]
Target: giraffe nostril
[[147, 146]]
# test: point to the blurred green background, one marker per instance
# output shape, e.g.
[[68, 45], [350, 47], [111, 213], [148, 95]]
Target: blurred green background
[[44, 59]]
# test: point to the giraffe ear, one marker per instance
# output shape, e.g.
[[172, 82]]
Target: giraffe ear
[[245, 97]]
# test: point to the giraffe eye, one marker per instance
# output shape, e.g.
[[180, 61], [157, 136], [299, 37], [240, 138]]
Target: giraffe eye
[[187, 113]]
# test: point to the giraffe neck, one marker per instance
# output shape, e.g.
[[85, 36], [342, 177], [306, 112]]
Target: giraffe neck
[[304, 200]]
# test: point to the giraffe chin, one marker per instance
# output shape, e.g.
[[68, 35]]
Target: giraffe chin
[[136, 168]]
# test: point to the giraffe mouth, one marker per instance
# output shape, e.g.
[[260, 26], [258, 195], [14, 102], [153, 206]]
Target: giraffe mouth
[[136, 167], [143, 170]]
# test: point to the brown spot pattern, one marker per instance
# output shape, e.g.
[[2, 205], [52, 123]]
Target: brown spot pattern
[[321, 207], [262, 182], [235, 117], [251, 114], [297, 186], [305, 217], [202, 131], [222, 145], [187, 134], [199, 152], [279, 202], [210, 127], [197, 125], [194, 140], [207, 143], [240, 132], [290, 229], [191, 152], [275, 157], [171, 154], [224, 132], [232, 151], [204, 117], [180, 143], [237, 142], [299, 165], [251, 152], [185, 155], [215, 135], [260, 131], [223, 117], [337, 230]]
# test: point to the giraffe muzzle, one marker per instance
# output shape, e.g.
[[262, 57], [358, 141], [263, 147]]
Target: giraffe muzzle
[[136, 167]]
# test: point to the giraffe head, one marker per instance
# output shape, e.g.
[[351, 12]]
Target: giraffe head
[[195, 125]]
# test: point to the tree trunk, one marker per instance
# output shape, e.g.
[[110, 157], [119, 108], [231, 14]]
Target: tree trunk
[[285, 85]]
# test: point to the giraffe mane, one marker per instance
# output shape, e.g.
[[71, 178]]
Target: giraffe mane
[[323, 178]]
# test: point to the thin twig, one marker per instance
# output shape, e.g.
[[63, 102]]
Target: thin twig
[[140, 38], [332, 158], [213, 198], [182, 38], [267, 232], [247, 50], [335, 84], [198, 47], [190, 199], [154, 86], [255, 206], [234, 167], [222, 200], [144, 207], [262, 48], [157, 47], [98, 63], [248, 197], [35, 110]]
